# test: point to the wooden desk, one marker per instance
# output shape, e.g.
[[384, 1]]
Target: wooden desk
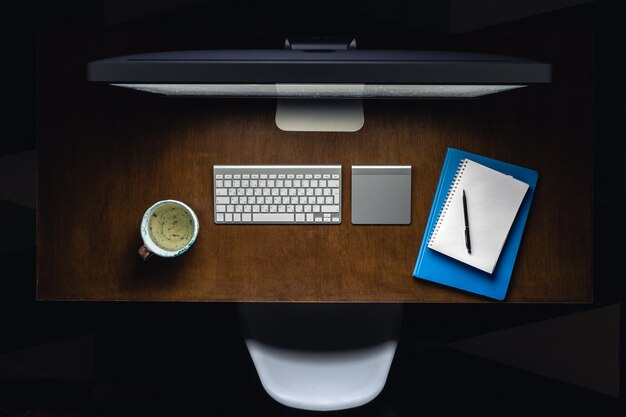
[[106, 154]]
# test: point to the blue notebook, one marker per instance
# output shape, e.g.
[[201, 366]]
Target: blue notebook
[[436, 267]]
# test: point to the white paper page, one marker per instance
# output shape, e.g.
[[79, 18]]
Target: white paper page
[[493, 200]]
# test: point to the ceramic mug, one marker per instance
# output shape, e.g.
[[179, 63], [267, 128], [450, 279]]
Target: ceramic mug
[[168, 229]]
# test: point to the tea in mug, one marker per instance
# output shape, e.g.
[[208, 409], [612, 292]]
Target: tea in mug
[[171, 227]]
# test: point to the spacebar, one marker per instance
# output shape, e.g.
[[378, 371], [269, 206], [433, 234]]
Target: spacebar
[[272, 217]]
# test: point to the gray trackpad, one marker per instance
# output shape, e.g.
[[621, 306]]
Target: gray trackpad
[[381, 194]]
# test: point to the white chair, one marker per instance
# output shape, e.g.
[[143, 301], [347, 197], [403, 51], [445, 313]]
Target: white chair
[[321, 357]]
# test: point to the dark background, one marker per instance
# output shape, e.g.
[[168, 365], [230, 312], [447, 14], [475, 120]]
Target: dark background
[[151, 358]]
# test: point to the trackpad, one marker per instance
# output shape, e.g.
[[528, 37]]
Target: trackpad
[[381, 194]]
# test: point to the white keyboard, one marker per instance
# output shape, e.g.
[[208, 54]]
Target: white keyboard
[[277, 194]]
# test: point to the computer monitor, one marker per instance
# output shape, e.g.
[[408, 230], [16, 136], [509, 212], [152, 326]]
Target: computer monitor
[[320, 85]]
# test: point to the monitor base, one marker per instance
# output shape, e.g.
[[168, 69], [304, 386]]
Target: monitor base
[[319, 115]]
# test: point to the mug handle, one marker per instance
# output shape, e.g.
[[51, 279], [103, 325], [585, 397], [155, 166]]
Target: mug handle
[[144, 253]]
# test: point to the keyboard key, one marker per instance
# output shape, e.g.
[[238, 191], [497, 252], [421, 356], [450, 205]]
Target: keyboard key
[[326, 176], [219, 217], [222, 200], [246, 217], [330, 209], [309, 217], [220, 208], [221, 191], [218, 176], [333, 183], [273, 217], [229, 217], [300, 217], [237, 217]]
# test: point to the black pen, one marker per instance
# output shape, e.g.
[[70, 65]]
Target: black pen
[[468, 245]]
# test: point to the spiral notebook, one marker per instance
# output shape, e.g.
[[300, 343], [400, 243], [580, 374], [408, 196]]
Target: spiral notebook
[[436, 267], [492, 201]]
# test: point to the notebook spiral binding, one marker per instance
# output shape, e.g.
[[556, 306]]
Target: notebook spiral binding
[[453, 187]]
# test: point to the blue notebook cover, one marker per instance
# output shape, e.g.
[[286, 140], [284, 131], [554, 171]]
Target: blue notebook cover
[[436, 267]]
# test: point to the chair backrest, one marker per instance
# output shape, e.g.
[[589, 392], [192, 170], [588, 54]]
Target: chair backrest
[[321, 357]]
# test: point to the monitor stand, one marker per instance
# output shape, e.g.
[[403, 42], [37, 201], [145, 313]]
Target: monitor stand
[[315, 114]]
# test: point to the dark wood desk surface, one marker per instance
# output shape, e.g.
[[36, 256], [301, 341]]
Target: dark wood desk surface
[[106, 154]]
